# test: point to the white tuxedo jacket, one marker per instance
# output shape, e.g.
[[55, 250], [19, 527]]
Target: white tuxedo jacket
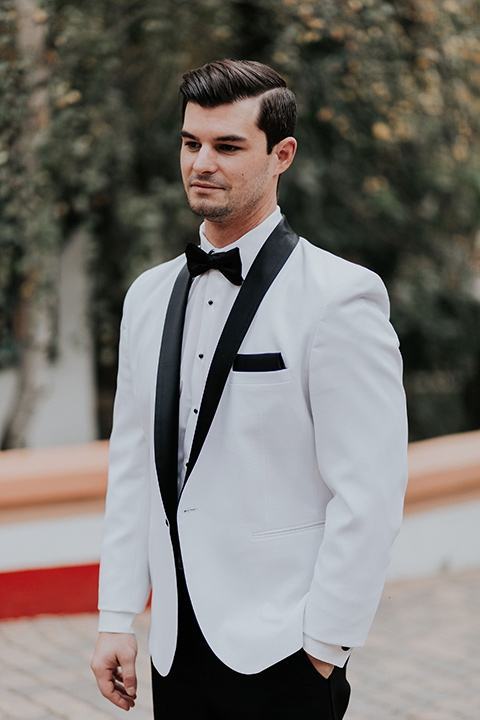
[[287, 520]]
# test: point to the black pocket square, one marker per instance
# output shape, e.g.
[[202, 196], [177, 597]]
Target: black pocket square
[[264, 362]]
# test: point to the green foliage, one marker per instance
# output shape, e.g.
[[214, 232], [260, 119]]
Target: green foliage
[[387, 172], [28, 231], [390, 106], [12, 109]]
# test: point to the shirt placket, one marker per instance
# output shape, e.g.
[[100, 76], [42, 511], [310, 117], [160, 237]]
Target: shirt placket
[[211, 319]]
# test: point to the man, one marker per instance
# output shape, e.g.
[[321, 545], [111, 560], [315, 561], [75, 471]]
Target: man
[[257, 476]]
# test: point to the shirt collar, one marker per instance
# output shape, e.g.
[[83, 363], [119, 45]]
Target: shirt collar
[[250, 243]]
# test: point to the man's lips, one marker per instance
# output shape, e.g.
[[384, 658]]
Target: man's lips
[[205, 186]]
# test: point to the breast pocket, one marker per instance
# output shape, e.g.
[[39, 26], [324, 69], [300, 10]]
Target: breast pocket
[[259, 369], [260, 362]]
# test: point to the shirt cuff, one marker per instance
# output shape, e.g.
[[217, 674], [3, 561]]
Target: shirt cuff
[[116, 622], [333, 654]]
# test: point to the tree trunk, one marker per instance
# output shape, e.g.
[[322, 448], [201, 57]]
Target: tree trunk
[[37, 298]]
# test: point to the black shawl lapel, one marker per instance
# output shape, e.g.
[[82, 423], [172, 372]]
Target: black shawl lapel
[[268, 263], [167, 395]]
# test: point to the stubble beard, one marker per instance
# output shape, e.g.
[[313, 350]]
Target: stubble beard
[[212, 213], [208, 210], [234, 207]]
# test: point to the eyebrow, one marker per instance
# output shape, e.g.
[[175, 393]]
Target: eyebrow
[[221, 138]]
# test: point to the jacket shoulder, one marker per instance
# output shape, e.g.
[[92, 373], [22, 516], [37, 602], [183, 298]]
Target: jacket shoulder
[[323, 261], [340, 277], [154, 280]]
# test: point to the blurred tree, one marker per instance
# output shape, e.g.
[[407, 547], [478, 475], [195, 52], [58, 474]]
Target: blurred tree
[[114, 137], [387, 173], [390, 100], [13, 107], [29, 212]]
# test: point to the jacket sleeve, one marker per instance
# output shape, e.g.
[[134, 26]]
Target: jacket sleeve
[[359, 415], [124, 576]]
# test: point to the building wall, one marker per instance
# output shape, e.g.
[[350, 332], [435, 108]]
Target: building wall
[[66, 414]]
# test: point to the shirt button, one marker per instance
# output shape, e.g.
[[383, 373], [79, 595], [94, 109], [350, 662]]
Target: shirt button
[[195, 411], [210, 302], [201, 356]]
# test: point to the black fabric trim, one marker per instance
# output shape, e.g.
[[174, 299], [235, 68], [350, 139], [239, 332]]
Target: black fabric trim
[[273, 255], [262, 362], [167, 395]]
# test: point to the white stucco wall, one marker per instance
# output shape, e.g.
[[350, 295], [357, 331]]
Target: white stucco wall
[[430, 542], [66, 414], [437, 540]]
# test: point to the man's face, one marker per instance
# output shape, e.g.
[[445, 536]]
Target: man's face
[[226, 170]]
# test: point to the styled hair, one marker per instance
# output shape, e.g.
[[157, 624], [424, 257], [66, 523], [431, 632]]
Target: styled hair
[[225, 81]]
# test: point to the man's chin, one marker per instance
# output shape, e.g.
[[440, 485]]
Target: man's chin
[[209, 212]]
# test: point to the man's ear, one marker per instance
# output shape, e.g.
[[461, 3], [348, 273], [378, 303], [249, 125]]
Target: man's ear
[[285, 152]]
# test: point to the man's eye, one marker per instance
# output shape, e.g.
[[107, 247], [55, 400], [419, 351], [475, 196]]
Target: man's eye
[[228, 148], [191, 145]]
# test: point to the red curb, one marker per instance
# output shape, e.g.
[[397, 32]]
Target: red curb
[[59, 590]]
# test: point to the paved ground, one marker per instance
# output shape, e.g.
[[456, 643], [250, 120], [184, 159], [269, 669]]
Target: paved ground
[[422, 660]]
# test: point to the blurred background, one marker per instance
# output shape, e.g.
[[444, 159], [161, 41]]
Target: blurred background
[[387, 175]]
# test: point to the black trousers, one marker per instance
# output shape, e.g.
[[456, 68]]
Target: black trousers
[[200, 687]]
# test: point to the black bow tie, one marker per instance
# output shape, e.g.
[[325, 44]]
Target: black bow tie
[[229, 262]]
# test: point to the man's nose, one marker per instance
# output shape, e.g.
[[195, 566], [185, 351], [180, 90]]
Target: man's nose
[[205, 161]]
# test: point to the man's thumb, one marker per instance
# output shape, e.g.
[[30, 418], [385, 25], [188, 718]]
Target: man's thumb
[[129, 676]]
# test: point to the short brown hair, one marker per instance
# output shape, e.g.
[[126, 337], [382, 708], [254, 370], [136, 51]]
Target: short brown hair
[[225, 81]]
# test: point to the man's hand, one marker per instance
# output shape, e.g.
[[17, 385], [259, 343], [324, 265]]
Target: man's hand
[[113, 665], [325, 669]]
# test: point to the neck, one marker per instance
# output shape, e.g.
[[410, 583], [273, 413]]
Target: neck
[[221, 234]]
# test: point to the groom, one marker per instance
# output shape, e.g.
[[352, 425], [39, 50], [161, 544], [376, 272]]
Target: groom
[[258, 452]]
